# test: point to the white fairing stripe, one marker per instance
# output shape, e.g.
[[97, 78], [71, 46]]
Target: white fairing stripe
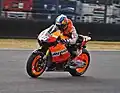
[[44, 35]]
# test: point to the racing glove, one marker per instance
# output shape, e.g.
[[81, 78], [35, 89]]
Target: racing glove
[[65, 41]]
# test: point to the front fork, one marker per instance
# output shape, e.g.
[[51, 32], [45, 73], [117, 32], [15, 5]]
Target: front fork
[[39, 51], [42, 54], [46, 54]]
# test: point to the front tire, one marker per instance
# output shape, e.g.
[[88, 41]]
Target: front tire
[[35, 65], [80, 71]]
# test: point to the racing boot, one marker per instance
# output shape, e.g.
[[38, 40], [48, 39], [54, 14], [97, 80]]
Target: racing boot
[[77, 64]]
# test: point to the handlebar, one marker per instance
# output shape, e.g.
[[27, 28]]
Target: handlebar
[[85, 40]]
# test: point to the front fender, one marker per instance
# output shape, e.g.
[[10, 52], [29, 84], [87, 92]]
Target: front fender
[[38, 51], [41, 52]]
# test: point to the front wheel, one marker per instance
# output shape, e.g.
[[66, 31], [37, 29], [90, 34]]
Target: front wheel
[[85, 56], [35, 65]]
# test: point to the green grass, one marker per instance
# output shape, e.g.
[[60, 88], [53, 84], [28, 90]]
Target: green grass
[[32, 44]]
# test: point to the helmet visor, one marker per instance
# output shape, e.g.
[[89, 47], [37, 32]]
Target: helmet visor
[[61, 27]]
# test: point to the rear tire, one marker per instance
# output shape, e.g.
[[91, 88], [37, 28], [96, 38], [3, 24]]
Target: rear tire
[[79, 72], [33, 65]]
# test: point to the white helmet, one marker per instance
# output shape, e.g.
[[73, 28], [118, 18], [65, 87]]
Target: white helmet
[[61, 21]]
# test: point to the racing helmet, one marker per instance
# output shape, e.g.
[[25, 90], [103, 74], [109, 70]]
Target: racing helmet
[[61, 22]]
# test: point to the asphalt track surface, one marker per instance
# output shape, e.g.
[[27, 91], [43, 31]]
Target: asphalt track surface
[[102, 76]]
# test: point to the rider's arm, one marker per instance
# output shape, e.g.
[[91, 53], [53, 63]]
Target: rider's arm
[[74, 36]]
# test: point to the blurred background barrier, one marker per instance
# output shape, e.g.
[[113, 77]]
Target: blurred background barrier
[[27, 18], [16, 28], [85, 11]]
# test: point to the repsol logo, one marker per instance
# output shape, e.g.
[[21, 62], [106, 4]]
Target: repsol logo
[[59, 53]]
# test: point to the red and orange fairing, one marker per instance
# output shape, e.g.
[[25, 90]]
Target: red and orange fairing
[[59, 52]]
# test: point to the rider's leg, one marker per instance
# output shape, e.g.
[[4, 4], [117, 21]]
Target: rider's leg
[[72, 51], [75, 63]]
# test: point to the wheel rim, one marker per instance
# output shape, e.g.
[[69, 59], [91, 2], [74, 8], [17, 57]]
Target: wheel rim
[[37, 69], [83, 57]]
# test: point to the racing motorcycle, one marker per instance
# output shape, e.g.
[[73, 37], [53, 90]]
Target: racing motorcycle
[[51, 48]]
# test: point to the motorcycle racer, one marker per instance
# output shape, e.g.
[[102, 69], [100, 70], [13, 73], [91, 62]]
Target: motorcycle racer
[[54, 52], [65, 25]]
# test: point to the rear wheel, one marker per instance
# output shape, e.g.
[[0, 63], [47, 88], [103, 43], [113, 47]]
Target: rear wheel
[[80, 71], [35, 65]]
